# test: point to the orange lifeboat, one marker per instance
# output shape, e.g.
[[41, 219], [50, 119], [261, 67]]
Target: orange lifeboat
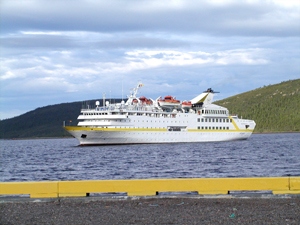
[[145, 100], [186, 104], [169, 102]]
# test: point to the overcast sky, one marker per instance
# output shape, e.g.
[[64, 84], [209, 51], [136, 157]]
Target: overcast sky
[[73, 50]]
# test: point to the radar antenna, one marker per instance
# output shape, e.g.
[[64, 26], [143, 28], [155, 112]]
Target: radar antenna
[[209, 90]]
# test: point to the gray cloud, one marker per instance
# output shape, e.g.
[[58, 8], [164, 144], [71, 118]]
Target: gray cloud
[[58, 51], [258, 18]]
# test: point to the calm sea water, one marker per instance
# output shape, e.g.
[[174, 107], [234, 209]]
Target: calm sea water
[[63, 159]]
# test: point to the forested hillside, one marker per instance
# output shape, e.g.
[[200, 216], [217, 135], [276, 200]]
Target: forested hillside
[[275, 108], [44, 122]]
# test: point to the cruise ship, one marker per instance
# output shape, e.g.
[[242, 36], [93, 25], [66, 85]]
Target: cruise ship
[[142, 120]]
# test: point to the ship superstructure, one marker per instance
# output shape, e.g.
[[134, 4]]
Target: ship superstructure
[[142, 120]]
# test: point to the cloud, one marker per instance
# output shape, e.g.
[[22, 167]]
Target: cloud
[[57, 51], [214, 17]]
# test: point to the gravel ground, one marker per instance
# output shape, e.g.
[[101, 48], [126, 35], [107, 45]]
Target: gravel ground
[[166, 210]]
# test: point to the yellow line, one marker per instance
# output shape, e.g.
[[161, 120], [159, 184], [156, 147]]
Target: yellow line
[[234, 124], [202, 100], [76, 128], [144, 187]]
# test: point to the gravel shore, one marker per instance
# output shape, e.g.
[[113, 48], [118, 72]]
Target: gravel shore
[[155, 210]]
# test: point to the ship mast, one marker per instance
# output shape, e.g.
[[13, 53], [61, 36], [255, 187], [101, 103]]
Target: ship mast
[[133, 93]]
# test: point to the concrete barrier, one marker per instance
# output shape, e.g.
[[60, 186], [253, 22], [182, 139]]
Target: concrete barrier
[[150, 187]]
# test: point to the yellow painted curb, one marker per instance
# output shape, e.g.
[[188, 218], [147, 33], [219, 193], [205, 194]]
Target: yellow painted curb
[[150, 187], [40, 189], [295, 183]]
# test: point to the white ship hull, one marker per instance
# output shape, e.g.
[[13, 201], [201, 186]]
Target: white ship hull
[[94, 137]]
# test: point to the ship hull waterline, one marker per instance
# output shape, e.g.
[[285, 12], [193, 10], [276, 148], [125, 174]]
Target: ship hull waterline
[[100, 137]]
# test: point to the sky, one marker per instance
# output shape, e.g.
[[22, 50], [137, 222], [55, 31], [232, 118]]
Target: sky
[[53, 52]]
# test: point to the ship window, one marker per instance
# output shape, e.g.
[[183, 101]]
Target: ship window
[[213, 128], [230, 120], [213, 120], [202, 128], [202, 120], [227, 128], [198, 120], [198, 128], [217, 120], [205, 128], [209, 128], [216, 128], [208, 120]]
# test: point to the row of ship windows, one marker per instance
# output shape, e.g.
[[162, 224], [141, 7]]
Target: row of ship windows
[[170, 129], [212, 111], [157, 114], [91, 114], [213, 128], [199, 128], [199, 120], [135, 121], [134, 114], [160, 121], [214, 120]]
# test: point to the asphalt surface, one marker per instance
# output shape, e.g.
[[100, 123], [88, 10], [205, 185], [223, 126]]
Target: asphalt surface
[[154, 210]]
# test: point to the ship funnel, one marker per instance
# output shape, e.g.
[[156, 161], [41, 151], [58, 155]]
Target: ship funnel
[[204, 98]]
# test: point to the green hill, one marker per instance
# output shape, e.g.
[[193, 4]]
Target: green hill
[[275, 108], [42, 122]]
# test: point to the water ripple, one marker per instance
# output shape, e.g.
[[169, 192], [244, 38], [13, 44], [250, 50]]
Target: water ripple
[[62, 159]]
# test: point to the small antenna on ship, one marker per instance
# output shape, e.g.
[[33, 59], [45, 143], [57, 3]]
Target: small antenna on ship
[[104, 99], [122, 87]]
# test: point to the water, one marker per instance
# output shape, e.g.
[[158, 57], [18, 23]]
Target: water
[[62, 159]]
